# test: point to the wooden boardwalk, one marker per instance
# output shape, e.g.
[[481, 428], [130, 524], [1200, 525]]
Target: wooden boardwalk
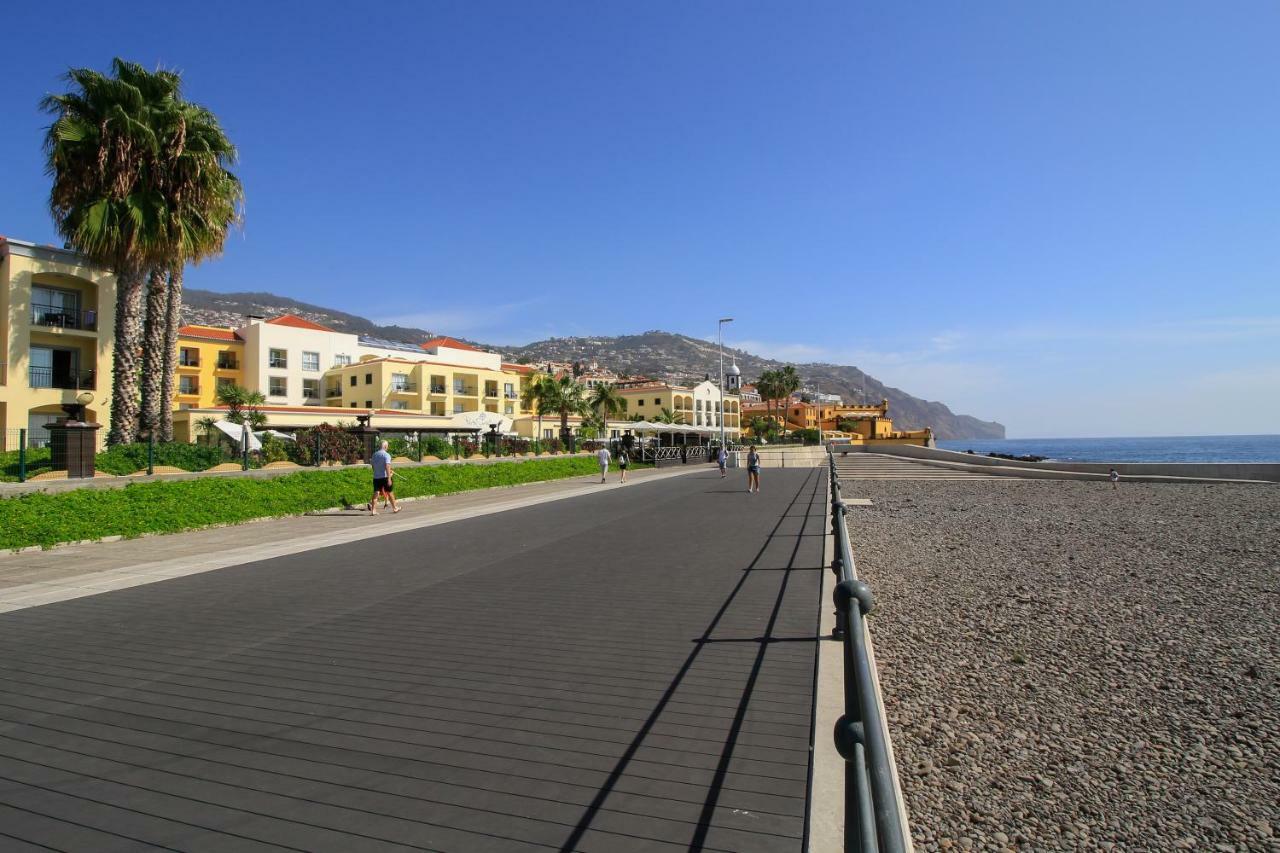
[[631, 671]]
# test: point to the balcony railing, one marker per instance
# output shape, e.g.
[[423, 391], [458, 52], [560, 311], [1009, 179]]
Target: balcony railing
[[188, 361], [464, 391], [74, 380], [63, 318], [228, 364], [491, 392], [188, 390], [511, 395], [437, 389], [333, 391], [404, 387]]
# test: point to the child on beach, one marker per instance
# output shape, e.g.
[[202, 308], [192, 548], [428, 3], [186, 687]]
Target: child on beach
[[1114, 476]]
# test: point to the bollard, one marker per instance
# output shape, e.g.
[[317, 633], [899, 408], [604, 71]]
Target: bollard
[[22, 456]]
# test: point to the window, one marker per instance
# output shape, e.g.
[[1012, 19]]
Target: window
[[400, 405], [188, 385], [278, 358], [368, 379], [399, 382], [278, 386], [509, 390], [188, 357], [353, 380], [354, 406], [698, 405], [311, 361], [227, 361], [368, 404], [311, 389], [341, 360], [639, 402], [657, 402], [457, 408], [509, 409]]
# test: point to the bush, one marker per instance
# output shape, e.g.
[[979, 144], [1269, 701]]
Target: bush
[[125, 459], [37, 462], [273, 449], [336, 445], [808, 436], [169, 506]]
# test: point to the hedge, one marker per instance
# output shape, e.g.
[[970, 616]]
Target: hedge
[[168, 507]]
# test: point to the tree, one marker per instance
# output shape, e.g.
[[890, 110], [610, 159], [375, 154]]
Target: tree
[[205, 202], [770, 387], [563, 397], [242, 405], [103, 152], [607, 402], [666, 416]]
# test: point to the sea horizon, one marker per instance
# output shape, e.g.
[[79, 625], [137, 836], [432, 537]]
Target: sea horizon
[[1184, 448]]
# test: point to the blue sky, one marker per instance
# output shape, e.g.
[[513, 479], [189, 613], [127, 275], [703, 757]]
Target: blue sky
[[1062, 216]]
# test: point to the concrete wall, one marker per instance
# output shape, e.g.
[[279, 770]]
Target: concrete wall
[[1269, 471], [791, 457]]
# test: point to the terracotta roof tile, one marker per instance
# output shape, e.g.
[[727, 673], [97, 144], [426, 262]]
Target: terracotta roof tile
[[211, 333], [298, 323], [451, 343]]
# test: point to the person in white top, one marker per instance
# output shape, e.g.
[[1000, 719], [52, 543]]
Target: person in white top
[[602, 455]]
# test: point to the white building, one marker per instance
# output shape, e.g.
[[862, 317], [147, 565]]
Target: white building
[[286, 357]]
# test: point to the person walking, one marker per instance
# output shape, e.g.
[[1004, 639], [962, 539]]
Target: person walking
[[1114, 476], [722, 459], [382, 476], [602, 456], [753, 470], [623, 462]]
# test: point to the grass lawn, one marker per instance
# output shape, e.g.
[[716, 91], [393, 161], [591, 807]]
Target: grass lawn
[[168, 507]]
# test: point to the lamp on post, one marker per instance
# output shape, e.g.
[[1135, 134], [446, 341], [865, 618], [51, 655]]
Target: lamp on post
[[720, 338]]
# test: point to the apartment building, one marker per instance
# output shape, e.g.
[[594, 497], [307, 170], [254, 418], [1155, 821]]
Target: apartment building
[[209, 357], [697, 405], [57, 313]]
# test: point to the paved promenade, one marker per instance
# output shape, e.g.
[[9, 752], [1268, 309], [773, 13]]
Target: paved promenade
[[629, 669]]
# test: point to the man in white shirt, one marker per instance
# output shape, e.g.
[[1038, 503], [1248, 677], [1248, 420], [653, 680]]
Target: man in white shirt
[[602, 455]]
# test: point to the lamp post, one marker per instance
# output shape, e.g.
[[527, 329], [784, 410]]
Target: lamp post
[[720, 337]]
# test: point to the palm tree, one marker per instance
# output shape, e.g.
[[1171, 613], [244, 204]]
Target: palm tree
[[789, 381], [666, 416], [242, 405], [103, 152], [607, 402], [564, 397], [532, 397], [768, 385], [204, 200]]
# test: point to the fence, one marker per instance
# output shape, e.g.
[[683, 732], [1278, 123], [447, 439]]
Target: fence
[[874, 820]]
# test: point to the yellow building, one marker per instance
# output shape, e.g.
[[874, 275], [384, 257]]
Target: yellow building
[[697, 405], [208, 358], [57, 313], [866, 424], [433, 387]]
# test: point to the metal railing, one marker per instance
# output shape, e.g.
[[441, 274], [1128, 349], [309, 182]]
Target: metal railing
[[404, 387], [227, 364], [63, 318], [49, 377], [873, 820]]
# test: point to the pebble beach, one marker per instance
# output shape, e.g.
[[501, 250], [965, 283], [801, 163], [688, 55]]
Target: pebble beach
[[1067, 667]]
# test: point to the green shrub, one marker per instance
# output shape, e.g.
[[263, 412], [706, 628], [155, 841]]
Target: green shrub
[[336, 445], [37, 462], [170, 506], [127, 458], [273, 449]]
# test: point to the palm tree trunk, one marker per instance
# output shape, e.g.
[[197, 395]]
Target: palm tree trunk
[[124, 377], [173, 322], [153, 361]]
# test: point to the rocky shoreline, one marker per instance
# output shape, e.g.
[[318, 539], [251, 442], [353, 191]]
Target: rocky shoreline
[[1066, 667]]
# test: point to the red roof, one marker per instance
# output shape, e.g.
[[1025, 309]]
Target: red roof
[[519, 368], [298, 323], [213, 333], [451, 343]]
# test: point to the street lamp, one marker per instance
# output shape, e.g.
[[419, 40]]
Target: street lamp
[[720, 337]]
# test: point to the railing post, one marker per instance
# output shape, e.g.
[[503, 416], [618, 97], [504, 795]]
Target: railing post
[[22, 456], [151, 452], [318, 460], [244, 441]]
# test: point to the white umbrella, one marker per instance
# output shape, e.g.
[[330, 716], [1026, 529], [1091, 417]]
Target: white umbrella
[[236, 433], [275, 433]]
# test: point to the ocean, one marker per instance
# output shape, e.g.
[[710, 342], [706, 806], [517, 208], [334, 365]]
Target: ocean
[[1197, 448]]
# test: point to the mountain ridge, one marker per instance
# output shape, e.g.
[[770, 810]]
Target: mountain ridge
[[664, 355]]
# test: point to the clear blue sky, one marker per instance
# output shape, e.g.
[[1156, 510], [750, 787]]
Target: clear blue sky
[[1062, 216]]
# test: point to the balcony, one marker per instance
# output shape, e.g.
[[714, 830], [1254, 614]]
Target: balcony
[[63, 318], [437, 389], [227, 364], [188, 360], [404, 387], [333, 391], [491, 392], [71, 380], [464, 390], [511, 395]]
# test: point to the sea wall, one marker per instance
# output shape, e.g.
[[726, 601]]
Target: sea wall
[[1269, 471]]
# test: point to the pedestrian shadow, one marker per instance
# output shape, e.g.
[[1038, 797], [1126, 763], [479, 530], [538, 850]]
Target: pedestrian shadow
[[706, 640]]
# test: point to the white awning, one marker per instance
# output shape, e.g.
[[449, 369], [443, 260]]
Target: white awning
[[236, 433]]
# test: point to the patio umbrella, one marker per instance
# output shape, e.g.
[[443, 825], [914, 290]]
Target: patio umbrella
[[236, 433]]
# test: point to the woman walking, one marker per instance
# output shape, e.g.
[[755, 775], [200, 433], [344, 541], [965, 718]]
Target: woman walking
[[753, 470], [623, 461]]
